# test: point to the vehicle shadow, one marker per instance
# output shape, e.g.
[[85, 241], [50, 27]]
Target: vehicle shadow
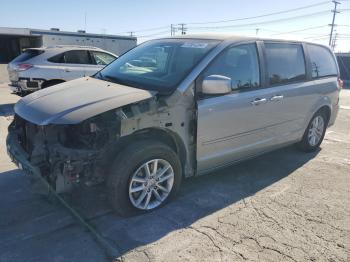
[[198, 198], [43, 221]]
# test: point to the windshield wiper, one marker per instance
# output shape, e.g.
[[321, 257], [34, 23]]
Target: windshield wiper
[[117, 80]]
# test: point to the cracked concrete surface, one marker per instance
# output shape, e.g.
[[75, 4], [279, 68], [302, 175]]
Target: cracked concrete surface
[[283, 206]]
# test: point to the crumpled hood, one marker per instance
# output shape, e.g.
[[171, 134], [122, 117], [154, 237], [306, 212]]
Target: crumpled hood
[[75, 101]]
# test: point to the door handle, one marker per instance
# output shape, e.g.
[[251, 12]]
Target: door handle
[[258, 101], [66, 70], [276, 98]]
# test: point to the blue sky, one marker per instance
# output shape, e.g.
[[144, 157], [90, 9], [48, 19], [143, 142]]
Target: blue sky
[[115, 17]]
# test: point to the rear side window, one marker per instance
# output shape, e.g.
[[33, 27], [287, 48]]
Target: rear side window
[[285, 62], [76, 57], [322, 61], [28, 54], [101, 58], [72, 57]]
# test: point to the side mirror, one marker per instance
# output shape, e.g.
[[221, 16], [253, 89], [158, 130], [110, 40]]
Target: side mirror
[[216, 85]]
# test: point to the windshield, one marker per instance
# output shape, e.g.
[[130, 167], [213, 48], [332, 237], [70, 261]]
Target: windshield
[[158, 65]]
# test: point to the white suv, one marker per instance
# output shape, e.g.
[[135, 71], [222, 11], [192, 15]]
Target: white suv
[[37, 68]]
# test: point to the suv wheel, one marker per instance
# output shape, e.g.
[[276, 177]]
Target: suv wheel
[[314, 133], [144, 176]]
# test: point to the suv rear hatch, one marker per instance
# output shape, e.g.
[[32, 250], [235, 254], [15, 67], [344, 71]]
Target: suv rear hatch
[[20, 62]]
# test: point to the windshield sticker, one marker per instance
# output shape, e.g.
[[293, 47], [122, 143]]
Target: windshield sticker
[[195, 45]]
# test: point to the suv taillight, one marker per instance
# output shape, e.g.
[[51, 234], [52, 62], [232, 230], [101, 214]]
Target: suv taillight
[[23, 67], [340, 84]]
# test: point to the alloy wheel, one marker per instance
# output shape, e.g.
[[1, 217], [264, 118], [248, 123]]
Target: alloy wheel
[[316, 130], [151, 184]]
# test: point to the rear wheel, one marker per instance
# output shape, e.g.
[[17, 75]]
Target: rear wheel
[[144, 176], [314, 133]]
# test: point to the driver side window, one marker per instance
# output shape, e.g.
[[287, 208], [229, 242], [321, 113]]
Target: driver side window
[[240, 64]]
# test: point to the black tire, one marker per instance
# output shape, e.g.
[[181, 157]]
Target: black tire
[[304, 145], [51, 83], [22, 93], [127, 162]]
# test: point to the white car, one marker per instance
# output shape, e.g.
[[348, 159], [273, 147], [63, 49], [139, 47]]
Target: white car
[[38, 68]]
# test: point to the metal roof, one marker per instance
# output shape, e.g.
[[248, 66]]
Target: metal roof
[[38, 32]]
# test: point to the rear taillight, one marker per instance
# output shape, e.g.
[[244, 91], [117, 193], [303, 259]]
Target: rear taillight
[[340, 84], [23, 67]]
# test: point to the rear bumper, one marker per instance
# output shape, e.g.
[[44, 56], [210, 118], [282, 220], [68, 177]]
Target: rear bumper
[[333, 115], [14, 88]]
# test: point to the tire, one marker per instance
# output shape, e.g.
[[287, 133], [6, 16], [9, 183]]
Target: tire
[[130, 164], [307, 144], [51, 83], [22, 93]]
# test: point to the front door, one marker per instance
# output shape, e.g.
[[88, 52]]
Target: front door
[[233, 126]]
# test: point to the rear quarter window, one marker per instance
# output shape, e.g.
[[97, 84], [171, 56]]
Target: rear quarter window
[[56, 59], [322, 61], [28, 54]]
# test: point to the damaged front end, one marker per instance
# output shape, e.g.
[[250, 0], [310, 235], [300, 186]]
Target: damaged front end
[[75, 141], [64, 155]]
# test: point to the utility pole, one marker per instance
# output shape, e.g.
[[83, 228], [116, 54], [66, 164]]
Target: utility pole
[[131, 34], [334, 11], [257, 31], [183, 29], [172, 30], [334, 43]]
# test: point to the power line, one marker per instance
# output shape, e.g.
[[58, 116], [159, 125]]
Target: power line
[[264, 22], [316, 36], [145, 30], [301, 30], [181, 27], [260, 16], [234, 20], [154, 34]]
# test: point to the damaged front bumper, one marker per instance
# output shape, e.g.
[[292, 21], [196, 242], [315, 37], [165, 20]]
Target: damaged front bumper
[[57, 166], [19, 156]]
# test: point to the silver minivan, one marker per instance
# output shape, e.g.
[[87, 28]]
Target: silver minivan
[[173, 108]]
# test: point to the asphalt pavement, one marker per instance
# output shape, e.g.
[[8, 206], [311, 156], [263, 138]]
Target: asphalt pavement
[[283, 206]]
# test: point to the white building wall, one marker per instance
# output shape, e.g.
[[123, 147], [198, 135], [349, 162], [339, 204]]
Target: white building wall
[[116, 46]]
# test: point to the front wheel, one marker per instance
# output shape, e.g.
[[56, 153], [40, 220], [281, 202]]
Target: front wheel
[[144, 176], [314, 133]]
